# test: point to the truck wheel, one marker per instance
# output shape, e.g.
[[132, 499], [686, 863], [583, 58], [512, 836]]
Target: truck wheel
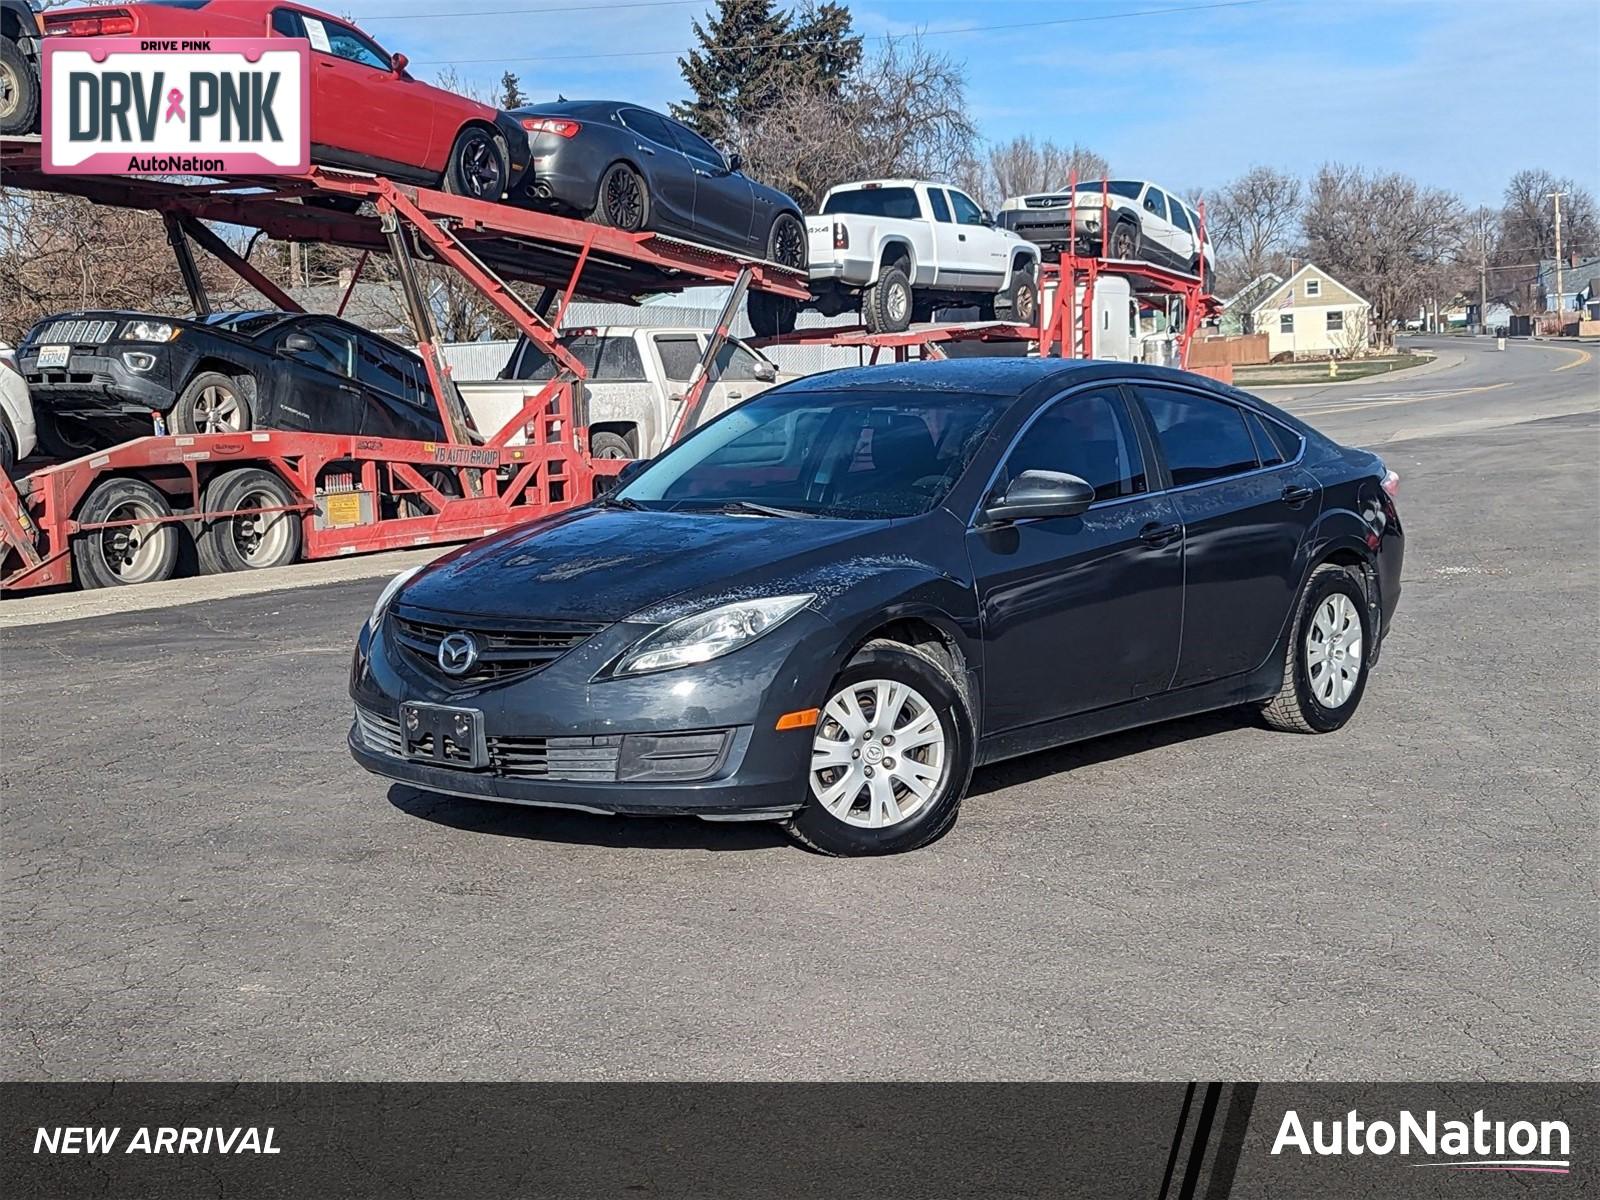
[[886, 305], [248, 541], [771, 316], [444, 482], [8, 449], [19, 90], [1125, 240], [610, 445], [1022, 298], [211, 403], [126, 553]]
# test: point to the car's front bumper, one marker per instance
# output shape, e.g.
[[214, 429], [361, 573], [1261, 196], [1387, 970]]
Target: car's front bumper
[[761, 772], [100, 382]]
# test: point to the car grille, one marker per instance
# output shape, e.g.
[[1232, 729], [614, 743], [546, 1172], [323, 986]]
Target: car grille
[[502, 652], [76, 332], [379, 732], [1047, 201], [579, 759]]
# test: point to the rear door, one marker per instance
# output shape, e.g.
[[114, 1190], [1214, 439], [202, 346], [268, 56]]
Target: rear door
[[395, 404], [1082, 612], [1245, 513], [1160, 234], [668, 173]]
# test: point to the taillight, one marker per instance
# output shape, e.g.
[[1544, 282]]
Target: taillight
[[841, 236], [110, 25], [553, 125], [1391, 484]]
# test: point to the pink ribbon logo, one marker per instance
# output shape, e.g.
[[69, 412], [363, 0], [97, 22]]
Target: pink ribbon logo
[[175, 105]]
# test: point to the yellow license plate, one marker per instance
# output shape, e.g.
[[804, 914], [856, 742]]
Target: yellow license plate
[[343, 508]]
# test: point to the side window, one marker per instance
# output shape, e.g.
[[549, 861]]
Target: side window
[[967, 213], [1180, 218], [1267, 450], [735, 364], [344, 42], [334, 351], [1203, 439], [941, 210], [380, 368], [649, 125], [1155, 201], [695, 146], [1285, 439], [679, 355], [286, 23], [1088, 435]]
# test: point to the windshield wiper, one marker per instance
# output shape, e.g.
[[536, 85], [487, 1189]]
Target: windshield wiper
[[612, 500], [765, 510]]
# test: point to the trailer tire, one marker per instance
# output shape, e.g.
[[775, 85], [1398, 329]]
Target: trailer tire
[[444, 482], [114, 557], [771, 316], [19, 102], [887, 305], [211, 402], [610, 445], [247, 543]]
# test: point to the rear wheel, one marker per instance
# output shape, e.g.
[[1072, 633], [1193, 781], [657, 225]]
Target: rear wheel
[[610, 445], [1021, 299], [124, 554], [771, 316], [250, 540], [8, 449], [211, 403], [62, 437], [1325, 666], [19, 90], [443, 482], [891, 756], [623, 201], [887, 305], [477, 166]]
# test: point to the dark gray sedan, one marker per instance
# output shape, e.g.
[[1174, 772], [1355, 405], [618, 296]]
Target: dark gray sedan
[[830, 604], [630, 168]]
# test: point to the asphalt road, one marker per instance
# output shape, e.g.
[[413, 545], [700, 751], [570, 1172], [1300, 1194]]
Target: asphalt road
[[198, 883]]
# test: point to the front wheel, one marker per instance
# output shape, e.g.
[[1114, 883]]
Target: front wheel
[[1325, 666], [891, 756], [477, 166], [211, 403], [1021, 299], [1125, 240], [887, 305], [19, 90]]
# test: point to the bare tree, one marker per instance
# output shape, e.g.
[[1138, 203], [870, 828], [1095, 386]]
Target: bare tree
[[1528, 218], [1252, 222], [1022, 166], [1386, 236]]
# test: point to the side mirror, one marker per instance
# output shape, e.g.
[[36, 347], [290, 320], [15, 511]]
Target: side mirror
[[398, 63], [299, 343], [735, 162], [988, 217], [1040, 494], [765, 372], [631, 469]]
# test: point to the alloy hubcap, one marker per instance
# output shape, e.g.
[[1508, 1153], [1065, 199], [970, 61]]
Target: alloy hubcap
[[789, 244], [1333, 651], [482, 167], [898, 303], [879, 754], [217, 411], [622, 200]]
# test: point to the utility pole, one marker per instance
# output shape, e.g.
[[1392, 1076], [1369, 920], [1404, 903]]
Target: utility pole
[[1560, 290]]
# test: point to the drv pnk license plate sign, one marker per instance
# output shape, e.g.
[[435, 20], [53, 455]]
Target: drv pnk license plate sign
[[162, 106]]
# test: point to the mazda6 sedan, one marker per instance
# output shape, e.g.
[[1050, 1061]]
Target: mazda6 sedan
[[830, 604]]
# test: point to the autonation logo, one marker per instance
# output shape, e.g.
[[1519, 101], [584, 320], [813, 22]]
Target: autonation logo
[[1476, 1145]]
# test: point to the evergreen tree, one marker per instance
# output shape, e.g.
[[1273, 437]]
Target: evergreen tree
[[511, 94], [738, 70], [822, 52]]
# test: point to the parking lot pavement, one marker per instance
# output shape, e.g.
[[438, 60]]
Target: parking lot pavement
[[200, 884]]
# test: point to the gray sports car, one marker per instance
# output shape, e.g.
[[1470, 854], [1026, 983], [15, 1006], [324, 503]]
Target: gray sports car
[[621, 165]]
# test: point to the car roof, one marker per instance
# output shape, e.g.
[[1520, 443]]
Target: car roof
[[882, 183], [578, 108], [1003, 376]]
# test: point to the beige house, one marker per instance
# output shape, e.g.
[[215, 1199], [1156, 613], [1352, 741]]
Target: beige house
[[1312, 315]]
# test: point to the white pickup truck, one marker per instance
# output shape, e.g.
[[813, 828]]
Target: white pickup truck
[[899, 248], [635, 387]]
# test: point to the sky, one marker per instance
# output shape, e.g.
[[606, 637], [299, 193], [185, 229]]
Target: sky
[[1458, 93]]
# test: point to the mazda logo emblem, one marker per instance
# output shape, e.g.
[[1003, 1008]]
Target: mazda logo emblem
[[458, 653]]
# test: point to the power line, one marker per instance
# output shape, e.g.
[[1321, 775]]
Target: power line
[[522, 11], [887, 37]]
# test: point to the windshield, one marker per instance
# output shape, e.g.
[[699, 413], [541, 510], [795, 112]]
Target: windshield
[[898, 202], [855, 455], [1128, 188]]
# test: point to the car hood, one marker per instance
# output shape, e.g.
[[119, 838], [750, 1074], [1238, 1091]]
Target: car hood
[[606, 564]]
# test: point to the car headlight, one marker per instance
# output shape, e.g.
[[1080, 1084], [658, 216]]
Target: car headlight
[[148, 331], [390, 591], [709, 634]]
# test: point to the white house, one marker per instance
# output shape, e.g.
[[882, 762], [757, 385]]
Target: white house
[[1312, 315]]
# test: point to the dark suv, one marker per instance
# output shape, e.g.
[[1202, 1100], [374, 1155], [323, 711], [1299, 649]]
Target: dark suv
[[97, 377]]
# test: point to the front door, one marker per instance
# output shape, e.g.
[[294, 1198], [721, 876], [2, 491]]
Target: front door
[[1082, 612], [982, 254], [1243, 523], [322, 394]]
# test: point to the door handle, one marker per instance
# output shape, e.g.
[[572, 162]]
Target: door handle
[[351, 388], [735, 395], [961, 237], [1159, 535], [1297, 494], [644, 149]]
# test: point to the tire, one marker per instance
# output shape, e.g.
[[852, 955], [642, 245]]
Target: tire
[[1021, 299], [771, 316], [1125, 240], [477, 165], [8, 449], [444, 482], [19, 90], [786, 242], [887, 305], [211, 402], [842, 824], [131, 554], [623, 200], [63, 437], [610, 445], [1319, 695], [248, 543]]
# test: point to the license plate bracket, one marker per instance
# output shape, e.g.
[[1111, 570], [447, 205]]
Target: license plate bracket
[[54, 356], [443, 735]]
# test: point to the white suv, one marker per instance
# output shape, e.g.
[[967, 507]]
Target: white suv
[[16, 412], [1132, 219]]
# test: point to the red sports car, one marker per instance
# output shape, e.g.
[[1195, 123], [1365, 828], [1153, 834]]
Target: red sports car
[[367, 112]]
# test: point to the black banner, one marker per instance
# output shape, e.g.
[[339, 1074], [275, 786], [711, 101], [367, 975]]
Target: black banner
[[827, 1141]]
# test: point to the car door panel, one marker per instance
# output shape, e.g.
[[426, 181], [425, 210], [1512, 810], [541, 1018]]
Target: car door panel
[[1242, 534], [1084, 612], [724, 201], [354, 93], [981, 260], [325, 397]]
